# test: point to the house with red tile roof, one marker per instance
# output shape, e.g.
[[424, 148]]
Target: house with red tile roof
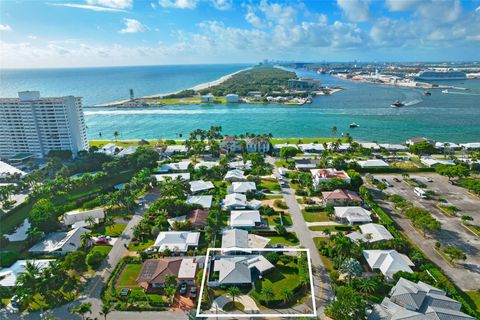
[[339, 196]]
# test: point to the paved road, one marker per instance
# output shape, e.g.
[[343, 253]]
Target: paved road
[[466, 277], [323, 292]]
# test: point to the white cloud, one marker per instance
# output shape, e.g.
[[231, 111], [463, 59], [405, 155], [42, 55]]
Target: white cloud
[[179, 4], [401, 5], [132, 26], [32, 37], [355, 10], [253, 19], [87, 7], [116, 4], [277, 13], [5, 27], [222, 4]]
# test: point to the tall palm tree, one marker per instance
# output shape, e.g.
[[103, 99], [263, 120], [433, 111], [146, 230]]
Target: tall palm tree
[[334, 130], [106, 309], [90, 221], [85, 240], [116, 134], [367, 285], [233, 292], [267, 294], [82, 309], [287, 294]]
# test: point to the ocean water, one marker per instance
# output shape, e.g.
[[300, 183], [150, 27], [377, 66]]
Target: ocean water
[[451, 117], [103, 85]]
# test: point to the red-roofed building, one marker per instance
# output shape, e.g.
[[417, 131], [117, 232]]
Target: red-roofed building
[[230, 144], [323, 175], [198, 217], [339, 196], [155, 271]]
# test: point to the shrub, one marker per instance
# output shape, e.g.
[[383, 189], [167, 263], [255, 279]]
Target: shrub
[[94, 259]]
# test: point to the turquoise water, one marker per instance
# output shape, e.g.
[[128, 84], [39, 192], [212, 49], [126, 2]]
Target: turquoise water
[[446, 117], [103, 85]]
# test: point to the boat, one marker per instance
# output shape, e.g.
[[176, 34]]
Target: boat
[[444, 74], [354, 125], [427, 93], [397, 104], [445, 91]]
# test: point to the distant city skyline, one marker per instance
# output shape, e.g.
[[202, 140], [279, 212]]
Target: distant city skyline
[[88, 33]]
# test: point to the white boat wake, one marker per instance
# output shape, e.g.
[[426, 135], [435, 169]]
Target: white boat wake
[[412, 102]]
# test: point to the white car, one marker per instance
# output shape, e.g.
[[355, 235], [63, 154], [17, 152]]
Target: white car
[[428, 179]]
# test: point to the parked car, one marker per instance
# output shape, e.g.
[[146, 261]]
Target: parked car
[[453, 183], [183, 288], [266, 191], [102, 241], [150, 250], [193, 292], [396, 180], [428, 179]]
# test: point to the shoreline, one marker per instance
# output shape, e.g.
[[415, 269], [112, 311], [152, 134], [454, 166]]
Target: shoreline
[[197, 87]]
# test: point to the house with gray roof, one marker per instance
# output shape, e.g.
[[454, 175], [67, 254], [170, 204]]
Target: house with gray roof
[[415, 301], [238, 238], [237, 270]]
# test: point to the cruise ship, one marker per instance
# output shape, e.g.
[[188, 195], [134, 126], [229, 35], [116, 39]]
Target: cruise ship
[[441, 75]]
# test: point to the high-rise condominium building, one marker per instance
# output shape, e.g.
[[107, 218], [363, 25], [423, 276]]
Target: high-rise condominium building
[[36, 125]]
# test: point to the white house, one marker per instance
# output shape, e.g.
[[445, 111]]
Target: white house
[[235, 201], [230, 144], [393, 147], [373, 163], [240, 165], [110, 149], [208, 98], [177, 241], [8, 276], [323, 175], [78, 216], [237, 270], [232, 98], [446, 145], [175, 166], [278, 147], [200, 185], [127, 151], [206, 164], [371, 232], [258, 144], [370, 145], [353, 215], [239, 238], [172, 176], [432, 162], [242, 187], [245, 219], [60, 243], [204, 201], [175, 149], [235, 175], [471, 145], [388, 262], [311, 147], [414, 141]]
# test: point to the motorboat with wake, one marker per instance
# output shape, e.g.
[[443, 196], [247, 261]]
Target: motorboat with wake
[[427, 93], [397, 104], [354, 125], [445, 91]]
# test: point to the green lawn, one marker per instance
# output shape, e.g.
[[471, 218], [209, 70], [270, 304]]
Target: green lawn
[[290, 241], [283, 276], [304, 140], [332, 228], [104, 250], [112, 231], [270, 184], [318, 216], [129, 275], [474, 296], [273, 196], [229, 306], [141, 246]]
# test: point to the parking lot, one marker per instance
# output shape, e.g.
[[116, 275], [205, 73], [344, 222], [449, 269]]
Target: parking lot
[[452, 231]]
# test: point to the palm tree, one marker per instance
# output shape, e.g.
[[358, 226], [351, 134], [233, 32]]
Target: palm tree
[[334, 130], [170, 292], [233, 292], [90, 221], [85, 240], [33, 234], [82, 309], [287, 294], [267, 294], [106, 308], [367, 285], [116, 134]]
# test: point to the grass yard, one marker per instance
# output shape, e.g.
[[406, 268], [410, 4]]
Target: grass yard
[[474, 297], [318, 216], [290, 240], [332, 228], [128, 278], [283, 276], [273, 196], [303, 140], [270, 184], [104, 250], [112, 231], [141, 245], [230, 306]]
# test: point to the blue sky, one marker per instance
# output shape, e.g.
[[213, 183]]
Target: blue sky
[[78, 33]]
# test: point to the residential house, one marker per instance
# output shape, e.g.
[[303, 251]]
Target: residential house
[[310, 148], [175, 149], [238, 270], [78, 218], [388, 262], [240, 165], [414, 141], [371, 232], [258, 144], [234, 201], [340, 148], [174, 167], [340, 197], [230, 144], [200, 186], [235, 175], [239, 238], [471, 145], [154, 272], [446, 146], [324, 175], [110, 149], [204, 201], [127, 151], [8, 276], [394, 147], [353, 215], [206, 164], [172, 176], [177, 241], [198, 217], [232, 98], [208, 98], [278, 147], [304, 164], [242, 187], [245, 219], [409, 300], [432, 162], [370, 145], [373, 163], [60, 243]]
